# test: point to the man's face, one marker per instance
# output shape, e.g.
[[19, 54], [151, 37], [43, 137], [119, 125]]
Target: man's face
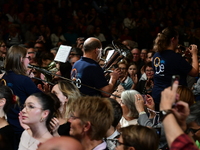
[[194, 130], [136, 54]]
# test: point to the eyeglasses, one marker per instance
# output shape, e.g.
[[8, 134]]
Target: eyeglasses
[[193, 131], [122, 68], [71, 116], [29, 107], [149, 70], [118, 143], [29, 58]]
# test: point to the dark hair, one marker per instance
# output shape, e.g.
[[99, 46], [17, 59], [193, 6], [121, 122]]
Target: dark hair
[[76, 51], [163, 39], [117, 112], [91, 44], [139, 137], [148, 64], [13, 59], [194, 115], [6, 92], [49, 102]]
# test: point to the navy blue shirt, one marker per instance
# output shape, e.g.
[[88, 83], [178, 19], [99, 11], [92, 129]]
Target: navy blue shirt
[[23, 87], [165, 65], [88, 72]]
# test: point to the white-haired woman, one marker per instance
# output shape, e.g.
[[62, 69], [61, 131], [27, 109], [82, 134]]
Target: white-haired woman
[[130, 114]]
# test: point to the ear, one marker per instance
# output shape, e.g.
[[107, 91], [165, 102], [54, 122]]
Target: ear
[[87, 126], [131, 148], [2, 102], [45, 113]]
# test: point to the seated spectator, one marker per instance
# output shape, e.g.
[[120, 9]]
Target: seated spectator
[[66, 92], [145, 86], [130, 114], [61, 143], [193, 123], [175, 123], [39, 109], [6, 130], [90, 119], [113, 132], [124, 79], [137, 137]]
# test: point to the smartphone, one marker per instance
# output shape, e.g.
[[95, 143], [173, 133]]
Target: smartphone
[[175, 78], [145, 98]]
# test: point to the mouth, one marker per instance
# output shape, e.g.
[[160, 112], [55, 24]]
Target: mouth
[[24, 117]]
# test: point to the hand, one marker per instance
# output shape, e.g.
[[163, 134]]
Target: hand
[[45, 88], [193, 50], [26, 127], [115, 74], [139, 103], [134, 78], [181, 111], [54, 125], [168, 97], [150, 102]]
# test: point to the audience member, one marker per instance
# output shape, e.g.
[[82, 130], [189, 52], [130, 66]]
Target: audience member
[[90, 126], [39, 109], [6, 130], [61, 143], [137, 137], [130, 114]]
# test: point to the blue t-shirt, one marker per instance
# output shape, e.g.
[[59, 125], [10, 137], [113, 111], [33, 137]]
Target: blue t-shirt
[[88, 72], [165, 65], [22, 86]]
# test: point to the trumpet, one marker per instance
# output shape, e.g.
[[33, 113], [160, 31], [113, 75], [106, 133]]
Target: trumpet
[[184, 51]]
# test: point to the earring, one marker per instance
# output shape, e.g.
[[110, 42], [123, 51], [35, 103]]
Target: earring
[[42, 119]]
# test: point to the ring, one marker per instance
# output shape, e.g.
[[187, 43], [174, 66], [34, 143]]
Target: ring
[[138, 98]]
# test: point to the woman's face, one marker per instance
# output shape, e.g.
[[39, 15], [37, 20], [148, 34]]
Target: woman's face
[[63, 99], [120, 145], [32, 111], [123, 69], [125, 109], [3, 49], [26, 60], [149, 72], [132, 70]]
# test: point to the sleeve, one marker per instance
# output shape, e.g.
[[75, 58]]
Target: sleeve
[[99, 78], [183, 142], [182, 62], [144, 120], [29, 86]]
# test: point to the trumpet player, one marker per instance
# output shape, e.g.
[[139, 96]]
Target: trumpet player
[[87, 71]]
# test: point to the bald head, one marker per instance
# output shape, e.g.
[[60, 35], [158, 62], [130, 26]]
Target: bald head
[[91, 44], [61, 143]]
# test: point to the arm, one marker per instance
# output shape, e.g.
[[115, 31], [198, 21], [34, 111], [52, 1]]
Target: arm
[[195, 66], [114, 76], [180, 112]]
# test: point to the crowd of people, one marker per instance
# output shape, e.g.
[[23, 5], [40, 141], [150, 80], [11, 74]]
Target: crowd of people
[[115, 90]]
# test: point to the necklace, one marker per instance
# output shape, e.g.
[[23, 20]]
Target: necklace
[[32, 140]]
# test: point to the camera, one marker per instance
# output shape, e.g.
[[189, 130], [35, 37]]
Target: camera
[[144, 97], [158, 131]]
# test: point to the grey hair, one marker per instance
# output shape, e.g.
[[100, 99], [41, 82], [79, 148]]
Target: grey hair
[[129, 100], [194, 115]]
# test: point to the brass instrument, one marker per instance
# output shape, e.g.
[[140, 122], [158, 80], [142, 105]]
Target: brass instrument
[[120, 52]]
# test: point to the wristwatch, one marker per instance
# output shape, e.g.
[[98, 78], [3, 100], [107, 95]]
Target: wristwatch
[[164, 113]]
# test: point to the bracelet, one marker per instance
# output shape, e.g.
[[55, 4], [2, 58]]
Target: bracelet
[[143, 112], [164, 113]]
